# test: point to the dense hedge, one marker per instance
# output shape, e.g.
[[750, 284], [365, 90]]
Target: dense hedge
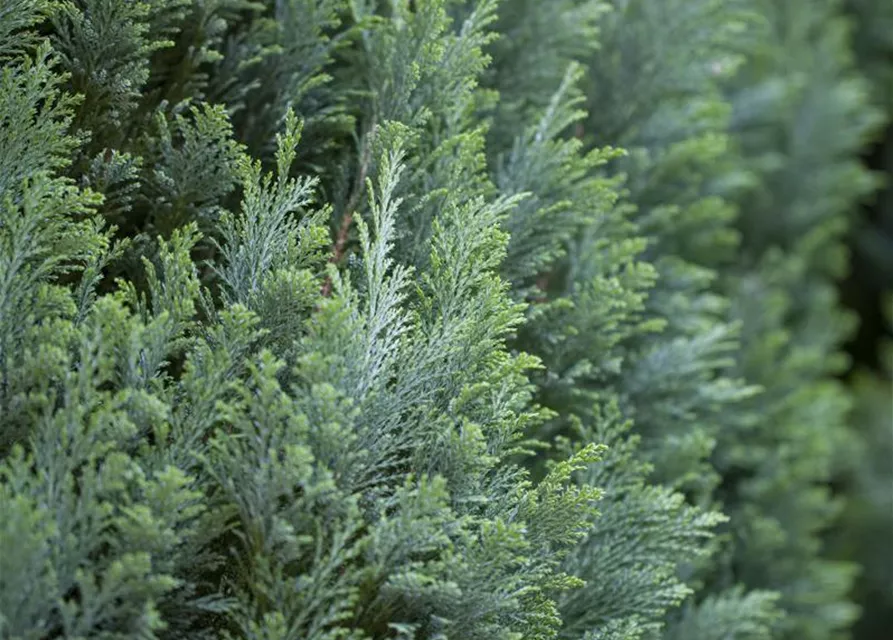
[[496, 319]]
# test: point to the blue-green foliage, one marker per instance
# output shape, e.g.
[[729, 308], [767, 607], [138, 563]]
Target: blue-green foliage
[[656, 353], [295, 464], [801, 115], [343, 319]]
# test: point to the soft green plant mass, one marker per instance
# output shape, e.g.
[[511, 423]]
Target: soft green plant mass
[[431, 319], [867, 474]]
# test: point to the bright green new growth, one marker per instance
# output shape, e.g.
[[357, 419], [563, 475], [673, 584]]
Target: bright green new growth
[[351, 319]]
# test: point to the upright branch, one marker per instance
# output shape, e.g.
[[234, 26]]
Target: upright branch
[[350, 208]]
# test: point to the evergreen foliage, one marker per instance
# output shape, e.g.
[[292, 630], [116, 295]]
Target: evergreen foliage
[[868, 473], [868, 516], [471, 319], [803, 115]]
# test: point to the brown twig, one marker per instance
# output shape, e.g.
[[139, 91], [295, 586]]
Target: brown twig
[[542, 283], [349, 209]]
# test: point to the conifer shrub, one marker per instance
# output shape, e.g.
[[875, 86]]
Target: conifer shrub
[[803, 116], [424, 319]]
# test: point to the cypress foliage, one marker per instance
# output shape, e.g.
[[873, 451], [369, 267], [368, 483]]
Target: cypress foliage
[[867, 474], [868, 515], [316, 458], [803, 116], [666, 342], [424, 319]]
